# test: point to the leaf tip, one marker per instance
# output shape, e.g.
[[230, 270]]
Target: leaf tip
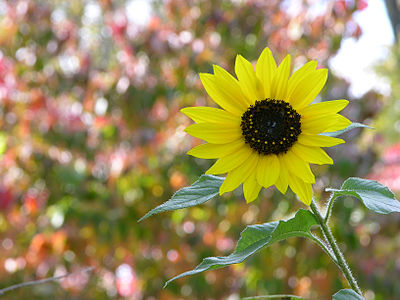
[[170, 280], [144, 217]]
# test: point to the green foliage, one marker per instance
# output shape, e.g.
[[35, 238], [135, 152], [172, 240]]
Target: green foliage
[[347, 294], [255, 237], [374, 195], [204, 189], [3, 143]]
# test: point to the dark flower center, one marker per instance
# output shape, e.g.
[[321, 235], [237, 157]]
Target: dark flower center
[[271, 126]]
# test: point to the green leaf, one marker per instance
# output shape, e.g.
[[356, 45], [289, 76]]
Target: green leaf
[[348, 128], [374, 195], [205, 188], [347, 294], [255, 237]]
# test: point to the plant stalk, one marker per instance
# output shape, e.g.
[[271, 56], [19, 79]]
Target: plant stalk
[[329, 208], [339, 255]]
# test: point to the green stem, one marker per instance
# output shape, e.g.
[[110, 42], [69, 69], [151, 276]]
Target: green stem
[[325, 248], [339, 255]]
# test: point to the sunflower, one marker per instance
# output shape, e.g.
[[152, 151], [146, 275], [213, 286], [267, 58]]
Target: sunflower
[[267, 132]]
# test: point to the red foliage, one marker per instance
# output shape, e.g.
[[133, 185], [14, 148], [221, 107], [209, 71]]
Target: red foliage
[[6, 198]]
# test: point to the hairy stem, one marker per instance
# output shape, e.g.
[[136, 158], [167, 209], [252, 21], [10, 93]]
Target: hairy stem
[[325, 248], [329, 208], [341, 262]]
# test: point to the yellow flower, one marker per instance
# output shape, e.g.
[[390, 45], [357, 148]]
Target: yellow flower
[[266, 133]]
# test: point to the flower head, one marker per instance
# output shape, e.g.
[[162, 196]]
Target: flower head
[[267, 132]]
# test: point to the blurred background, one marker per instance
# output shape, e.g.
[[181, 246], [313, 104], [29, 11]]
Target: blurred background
[[91, 138]]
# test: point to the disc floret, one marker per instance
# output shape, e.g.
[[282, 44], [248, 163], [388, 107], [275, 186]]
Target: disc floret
[[271, 126]]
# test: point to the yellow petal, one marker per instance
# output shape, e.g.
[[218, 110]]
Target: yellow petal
[[302, 189], [308, 89], [231, 87], [248, 80], [239, 174], [282, 181], [210, 151], [201, 114], [318, 140], [265, 70], [231, 161], [324, 123], [215, 133], [268, 170], [251, 188], [297, 166], [280, 82], [314, 155], [341, 123], [299, 75], [324, 108], [217, 91]]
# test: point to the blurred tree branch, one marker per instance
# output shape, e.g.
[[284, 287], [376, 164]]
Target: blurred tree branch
[[34, 282], [393, 9]]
